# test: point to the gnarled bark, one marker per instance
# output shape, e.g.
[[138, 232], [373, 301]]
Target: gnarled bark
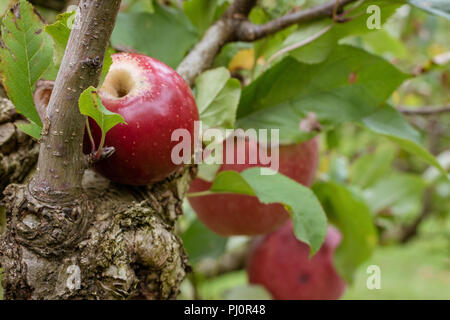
[[18, 152], [118, 243], [93, 240]]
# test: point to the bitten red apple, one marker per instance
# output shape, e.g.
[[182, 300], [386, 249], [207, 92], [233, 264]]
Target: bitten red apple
[[230, 214], [281, 264], [154, 101]]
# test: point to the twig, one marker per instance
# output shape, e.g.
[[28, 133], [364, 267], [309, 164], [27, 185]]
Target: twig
[[233, 26], [202, 56], [61, 162], [248, 31], [426, 111]]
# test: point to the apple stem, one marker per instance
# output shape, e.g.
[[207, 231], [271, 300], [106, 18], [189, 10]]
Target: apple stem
[[91, 138], [100, 147]]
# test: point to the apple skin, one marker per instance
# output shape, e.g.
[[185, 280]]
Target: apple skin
[[280, 262], [232, 214], [157, 102]]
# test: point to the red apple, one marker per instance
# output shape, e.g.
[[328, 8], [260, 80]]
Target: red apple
[[281, 264], [154, 101], [229, 214]]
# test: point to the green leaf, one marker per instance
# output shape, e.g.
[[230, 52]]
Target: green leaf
[[144, 5], [207, 172], [228, 52], [60, 32], [107, 62], [389, 122], [4, 6], [351, 215], [141, 31], [368, 168], [310, 224], [318, 50], [91, 105], [231, 182], [277, 8], [348, 86], [437, 7], [200, 242], [201, 13], [26, 56], [382, 43], [394, 189], [217, 96], [31, 129]]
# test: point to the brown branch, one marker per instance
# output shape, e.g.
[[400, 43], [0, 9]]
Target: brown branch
[[426, 111], [234, 26], [248, 31], [61, 161], [202, 56]]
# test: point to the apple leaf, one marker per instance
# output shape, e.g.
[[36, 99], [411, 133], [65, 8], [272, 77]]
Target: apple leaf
[[217, 96], [282, 96], [91, 105], [437, 7], [348, 211], [200, 242], [395, 189], [200, 12], [60, 32], [348, 86], [207, 172], [370, 167], [141, 31], [229, 51], [31, 129], [26, 55], [318, 50], [388, 122], [231, 182], [310, 223], [351, 85], [107, 62]]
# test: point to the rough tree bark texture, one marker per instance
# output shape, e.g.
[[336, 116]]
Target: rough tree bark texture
[[109, 241], [106, 242], [127, 248]]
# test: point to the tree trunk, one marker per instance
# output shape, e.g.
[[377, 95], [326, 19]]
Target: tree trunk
[[119, 242], [70, 235]]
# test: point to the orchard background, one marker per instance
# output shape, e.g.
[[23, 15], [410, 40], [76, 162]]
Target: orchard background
[[369, 78]]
